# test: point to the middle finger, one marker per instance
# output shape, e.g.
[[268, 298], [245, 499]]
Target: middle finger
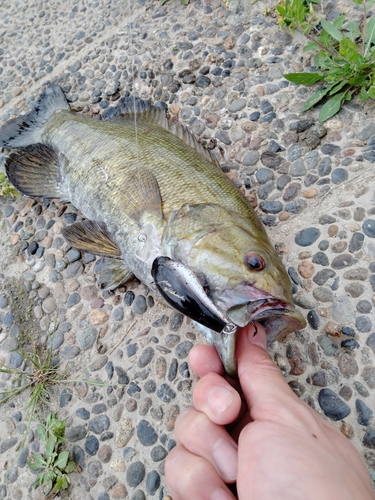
[[199, 435]]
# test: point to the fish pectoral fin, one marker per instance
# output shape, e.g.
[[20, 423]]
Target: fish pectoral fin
[[144, 198], [113, 273], [35, 171], [93, 237]]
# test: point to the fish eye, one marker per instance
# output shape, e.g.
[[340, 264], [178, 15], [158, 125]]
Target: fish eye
[[255, 262]]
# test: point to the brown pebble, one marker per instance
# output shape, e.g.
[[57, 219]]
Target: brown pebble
[[260, 90], [171, 417], [333, 230], [124, 432], [89, 292], [49, 305], [305, 255], [281, 248], [333, 329], [81, 389], [116, 300], [284, 216], [131, 405], [324, 312], [174, 109], [347, 430], [97, 303], [248, 126], [119, 491], [308, 285], [47, 242], [306, 269], [15, 238], [347, 365], [255, 143], [230, 42], [212, 120], [253, 199], [309, 193], [160, 367], [339, 247], [97, 317], [296, 361], [105, 453], [348, 152]]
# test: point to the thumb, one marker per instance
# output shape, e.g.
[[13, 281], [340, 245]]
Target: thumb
[[261, 381]]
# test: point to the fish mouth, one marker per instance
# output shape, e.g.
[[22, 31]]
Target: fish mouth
[[278, 318]]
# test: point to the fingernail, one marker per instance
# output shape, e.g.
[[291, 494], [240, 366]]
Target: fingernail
[[221, 494], [219, 399], [225, 456], [260, 339]]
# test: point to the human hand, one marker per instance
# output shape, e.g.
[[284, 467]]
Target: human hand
[[259, 435]]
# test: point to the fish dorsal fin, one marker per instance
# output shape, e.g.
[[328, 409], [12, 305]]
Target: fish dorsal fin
[[147, 113], [112, 273], [144, 198], [93, 237], [27, 129], [35, 171]]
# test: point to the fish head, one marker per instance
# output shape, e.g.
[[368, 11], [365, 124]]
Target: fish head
[[238, 268]]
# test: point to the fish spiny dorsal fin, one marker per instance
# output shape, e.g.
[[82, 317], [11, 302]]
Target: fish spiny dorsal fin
[[28, 129], [144, 196], [147, 113], [93, 237], [35, 171]]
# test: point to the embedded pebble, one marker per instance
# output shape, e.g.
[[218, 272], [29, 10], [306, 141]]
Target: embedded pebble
[[332, 405]]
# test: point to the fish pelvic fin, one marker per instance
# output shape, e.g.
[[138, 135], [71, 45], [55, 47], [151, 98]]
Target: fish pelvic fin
[[93, 237], [28, 129], [112, 273], [35, 171], [144, 203]]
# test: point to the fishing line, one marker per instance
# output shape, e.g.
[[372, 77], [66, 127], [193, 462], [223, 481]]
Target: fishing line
[[130, 25]]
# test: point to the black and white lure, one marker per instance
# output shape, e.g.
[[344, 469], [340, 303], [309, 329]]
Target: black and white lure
[[181, 289]]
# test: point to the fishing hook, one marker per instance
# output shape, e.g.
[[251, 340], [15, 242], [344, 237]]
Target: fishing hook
[[255, 328]]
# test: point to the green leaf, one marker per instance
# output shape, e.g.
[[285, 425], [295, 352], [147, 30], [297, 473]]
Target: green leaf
[[48, 486], [338, 87], [71, 467], [370, 34], [358, 2], [50, 446], [184, 2], [303, 78], [371, 92], [318, 96], [37, 462], [42, 432], [363, 94], [348, 49], [280, 9], [162, 2], [331, 30], [339, 21], [62, 460], [331, 107], [311, 46]]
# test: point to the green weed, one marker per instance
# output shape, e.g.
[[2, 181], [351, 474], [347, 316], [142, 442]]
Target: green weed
[[345, 58], [54, 465], [6, 188]]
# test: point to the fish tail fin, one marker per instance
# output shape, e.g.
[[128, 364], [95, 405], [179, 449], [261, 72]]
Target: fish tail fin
[[27, 129]]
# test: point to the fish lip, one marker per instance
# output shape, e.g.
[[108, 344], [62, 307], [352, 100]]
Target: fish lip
[[258, 308]]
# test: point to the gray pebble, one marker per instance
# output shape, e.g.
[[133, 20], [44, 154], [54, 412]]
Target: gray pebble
[[363, 324], [73, 255], [146, 433], [70, 351], [368, 227], [183, 349], [91, 445], [152, 482], [87, 338], [65, 397], [75, 433], [146, 357], [332, 405], [135, 473], [307, 237], [73, 300], [166, 393], [140, 304], [83, 413], [7, 444], [99, 424]]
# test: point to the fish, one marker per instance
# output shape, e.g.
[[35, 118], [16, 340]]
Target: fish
[[157, 206]]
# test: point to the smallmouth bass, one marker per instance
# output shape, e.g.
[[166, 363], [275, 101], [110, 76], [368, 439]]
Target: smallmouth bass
[[157, 207]]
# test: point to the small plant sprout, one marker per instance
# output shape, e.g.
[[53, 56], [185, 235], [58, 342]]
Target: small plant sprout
[[53, 465], [344, 59]]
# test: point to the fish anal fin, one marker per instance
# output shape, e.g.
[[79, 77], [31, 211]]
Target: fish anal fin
[[113, 273], [144, 202], [93, 237], [35, 171]]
